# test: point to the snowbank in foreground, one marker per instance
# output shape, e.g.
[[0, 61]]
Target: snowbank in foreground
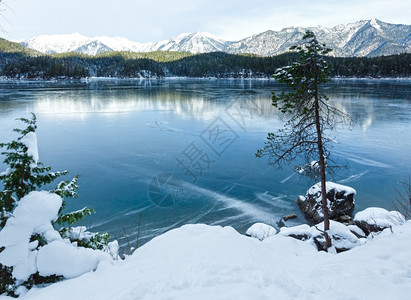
[[33, 215], [205, 262]]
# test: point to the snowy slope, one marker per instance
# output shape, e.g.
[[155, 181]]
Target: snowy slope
[[56, 43], [205, 262], [198, 42], [93, 48], [122, 44], [363, 38], [77, 43]]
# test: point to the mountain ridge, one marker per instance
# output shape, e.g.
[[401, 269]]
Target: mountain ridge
[[363, 38]]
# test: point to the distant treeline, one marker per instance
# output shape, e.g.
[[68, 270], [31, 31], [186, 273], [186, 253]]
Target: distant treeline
[[163, 64]]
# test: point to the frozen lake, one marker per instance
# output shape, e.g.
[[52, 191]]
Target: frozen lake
[[182, 151]]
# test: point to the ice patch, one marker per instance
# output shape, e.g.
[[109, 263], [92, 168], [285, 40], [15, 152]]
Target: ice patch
[[362, 160], [353, 177], [162, 125], [274, 201], [230, 202], [288, 178]]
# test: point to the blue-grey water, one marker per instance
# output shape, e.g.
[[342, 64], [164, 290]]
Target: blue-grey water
[[128, 137]]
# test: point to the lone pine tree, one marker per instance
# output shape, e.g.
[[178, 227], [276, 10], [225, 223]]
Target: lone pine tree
[[307, 115]]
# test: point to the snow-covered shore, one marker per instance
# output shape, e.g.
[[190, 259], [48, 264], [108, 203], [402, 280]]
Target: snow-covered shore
[[213, 262], [255, 78]]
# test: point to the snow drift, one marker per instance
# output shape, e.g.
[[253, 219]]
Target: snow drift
[[213, 262]]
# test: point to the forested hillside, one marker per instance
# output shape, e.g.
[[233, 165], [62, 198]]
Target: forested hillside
[[17, 61]]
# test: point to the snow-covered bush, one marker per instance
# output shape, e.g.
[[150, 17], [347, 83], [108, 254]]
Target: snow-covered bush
[[33, 224], [402, 201]]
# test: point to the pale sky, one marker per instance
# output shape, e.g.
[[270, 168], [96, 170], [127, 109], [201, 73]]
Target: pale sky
[[155, 20]]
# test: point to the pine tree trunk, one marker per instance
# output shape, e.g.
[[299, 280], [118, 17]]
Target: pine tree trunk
[[322, 168]]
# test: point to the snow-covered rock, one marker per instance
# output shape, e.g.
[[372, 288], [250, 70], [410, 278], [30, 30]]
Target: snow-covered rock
[[357, 231], [340, 201], [342, 239], [345, 237], [375, 219], [260, 231], [300, 232]]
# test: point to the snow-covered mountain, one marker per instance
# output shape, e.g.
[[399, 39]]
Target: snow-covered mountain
[[363, 38], [56, 43], [76, 42], [198, 42]]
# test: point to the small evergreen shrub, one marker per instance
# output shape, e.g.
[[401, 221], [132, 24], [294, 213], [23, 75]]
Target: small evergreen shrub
[[25, 173]]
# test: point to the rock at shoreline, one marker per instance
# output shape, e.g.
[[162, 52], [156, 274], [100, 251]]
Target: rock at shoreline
[[376, 219], [260, 231], [368, 223], [342, 239], [300, 232], [289, 217], [340, 202], [357, 231]]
